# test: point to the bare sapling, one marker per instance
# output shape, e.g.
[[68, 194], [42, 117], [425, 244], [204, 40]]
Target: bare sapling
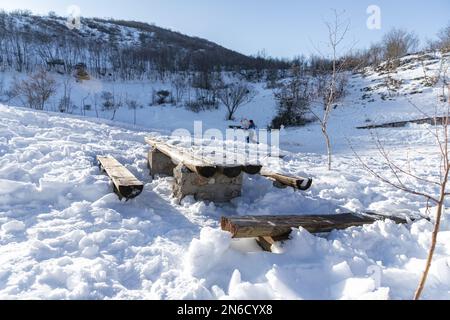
[[403, 178]]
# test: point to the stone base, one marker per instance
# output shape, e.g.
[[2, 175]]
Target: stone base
[[218, 189], [160, 164]]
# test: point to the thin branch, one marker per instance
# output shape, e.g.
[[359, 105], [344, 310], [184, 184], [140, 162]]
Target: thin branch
[[387, 181], [394, 167]]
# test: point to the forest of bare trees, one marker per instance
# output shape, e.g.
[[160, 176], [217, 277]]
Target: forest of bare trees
[[115, 49]]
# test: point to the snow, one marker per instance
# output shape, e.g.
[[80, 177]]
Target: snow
[[13, 226], [65, 235]]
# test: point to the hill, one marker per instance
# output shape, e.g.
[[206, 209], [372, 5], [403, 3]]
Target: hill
[[125, 49]]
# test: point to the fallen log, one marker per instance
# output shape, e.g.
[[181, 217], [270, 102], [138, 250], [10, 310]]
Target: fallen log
[[126, 185], [280, 227], [288, 181], [231, 172]]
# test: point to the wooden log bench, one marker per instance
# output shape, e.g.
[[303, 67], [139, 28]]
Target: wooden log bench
[[271, 229], [126, 185]]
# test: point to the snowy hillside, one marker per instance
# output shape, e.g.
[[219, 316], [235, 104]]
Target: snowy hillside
[[108, 47], [65, 235]]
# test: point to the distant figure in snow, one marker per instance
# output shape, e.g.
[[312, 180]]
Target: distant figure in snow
[[245, 124], [250, 127], [252, 132]]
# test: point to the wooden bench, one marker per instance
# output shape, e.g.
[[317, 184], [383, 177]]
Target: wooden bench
[[270, 229], [126, 185]]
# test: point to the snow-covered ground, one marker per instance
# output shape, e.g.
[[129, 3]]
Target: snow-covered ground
[[64, 235], [261, 109]]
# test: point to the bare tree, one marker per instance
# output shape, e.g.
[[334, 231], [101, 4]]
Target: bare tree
[[85, 106], [2, 85], [334, 84], [293, 99], [403, 178], [398, 43], [179, 85], [111, 101], [95, 99], [235, 95], [133, 105], [444, 38], [65, 104], [36, 90]]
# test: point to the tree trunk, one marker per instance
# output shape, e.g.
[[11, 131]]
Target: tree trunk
[[328, 143], [440, 210], [114, 115]]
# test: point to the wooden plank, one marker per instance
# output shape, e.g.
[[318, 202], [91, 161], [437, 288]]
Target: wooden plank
[[281, 226], [194, 164], [298, 183], [434, 121], [126, 185], [266, 243], [206, 167]]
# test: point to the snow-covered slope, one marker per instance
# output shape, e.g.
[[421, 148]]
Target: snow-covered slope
[[107, 47], [64, 235]]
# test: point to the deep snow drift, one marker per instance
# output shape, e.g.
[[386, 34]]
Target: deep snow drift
[[64, 235]]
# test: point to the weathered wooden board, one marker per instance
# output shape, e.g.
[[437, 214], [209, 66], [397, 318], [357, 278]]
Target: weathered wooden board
[[194, 164], [434, 121], [266, 243], [281, 226], [298, 183], [126, 185]]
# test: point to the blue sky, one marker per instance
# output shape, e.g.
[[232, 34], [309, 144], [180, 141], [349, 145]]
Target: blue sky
[[284, 28]]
